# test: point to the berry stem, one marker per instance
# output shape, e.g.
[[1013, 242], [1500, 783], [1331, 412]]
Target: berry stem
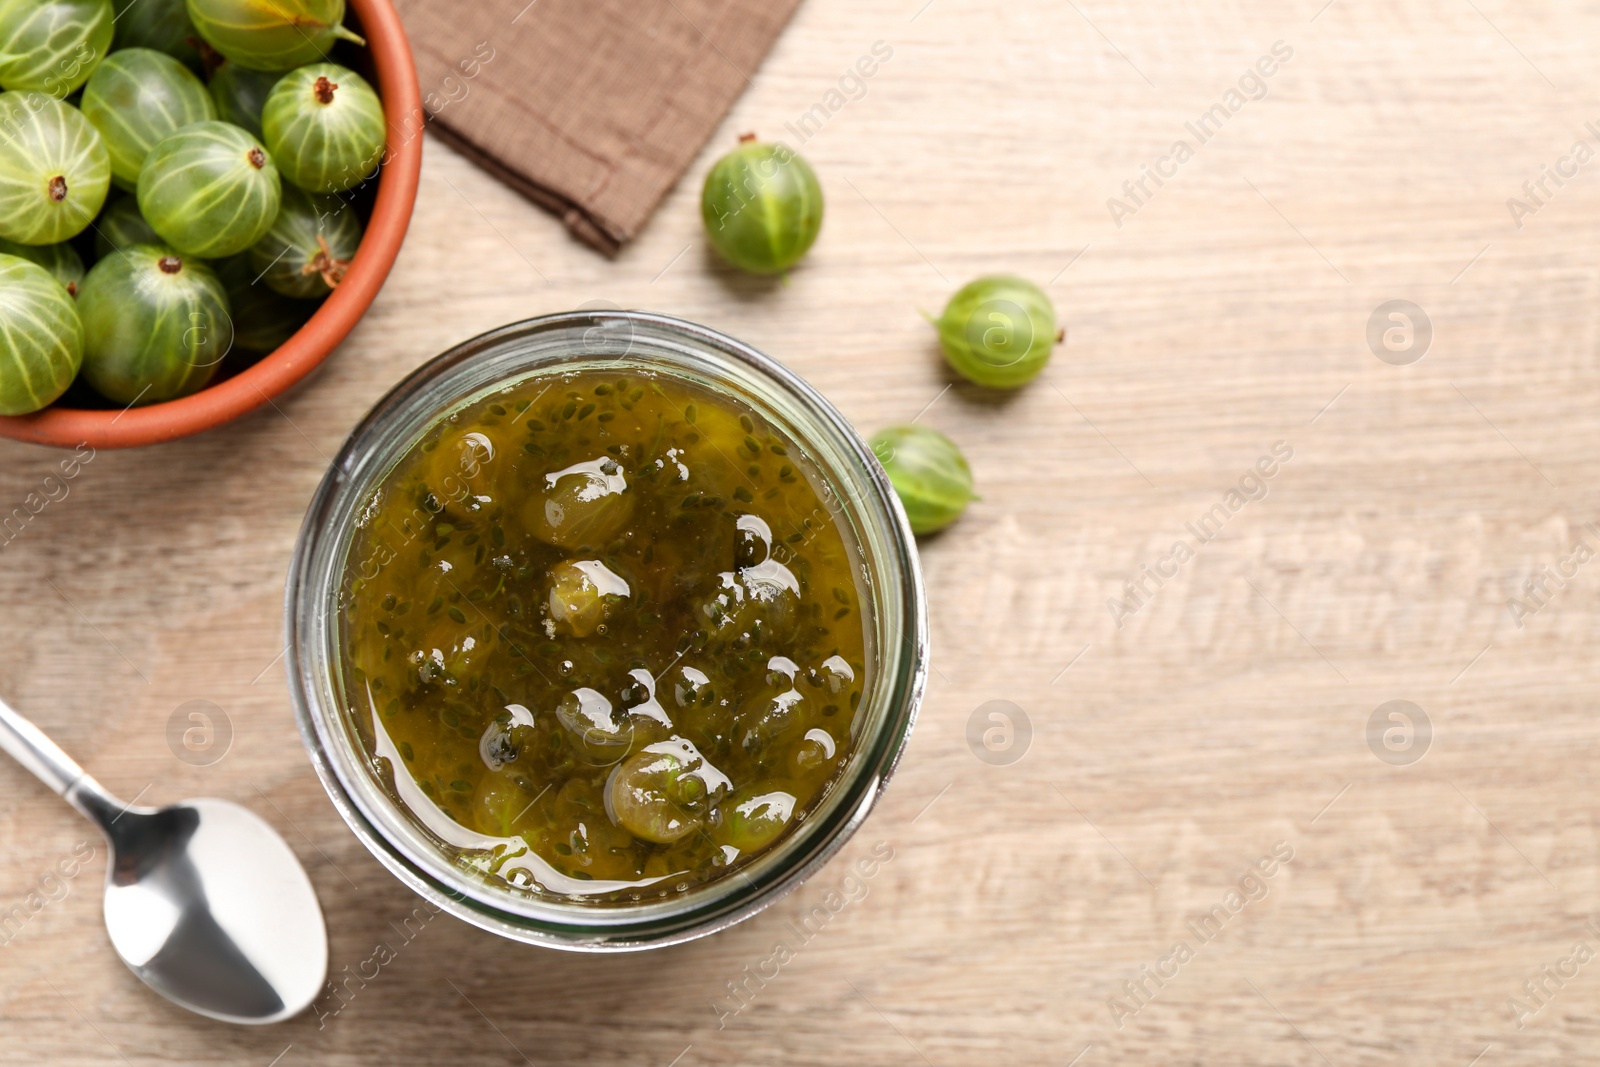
[[326, 264]]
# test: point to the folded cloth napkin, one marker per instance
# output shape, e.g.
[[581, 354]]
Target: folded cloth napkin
[[593, 108]]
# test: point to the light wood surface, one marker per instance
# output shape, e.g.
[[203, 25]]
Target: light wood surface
[[1225, 717]]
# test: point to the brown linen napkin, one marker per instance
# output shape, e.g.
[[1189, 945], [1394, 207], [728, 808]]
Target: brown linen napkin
[[593, 108]]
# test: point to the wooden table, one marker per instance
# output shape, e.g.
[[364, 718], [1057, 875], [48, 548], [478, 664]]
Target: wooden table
[[1032, 908]]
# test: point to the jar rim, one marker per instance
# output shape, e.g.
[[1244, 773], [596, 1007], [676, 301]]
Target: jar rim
[[556, 344]]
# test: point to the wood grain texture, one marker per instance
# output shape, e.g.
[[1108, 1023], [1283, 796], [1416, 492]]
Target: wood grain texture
[[1227, 715]]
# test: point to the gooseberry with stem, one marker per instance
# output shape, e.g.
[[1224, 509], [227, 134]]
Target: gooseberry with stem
[[324, 125], [998, 331], [156, 325], [210, 190], [309, 247], [762, 207], [928, 472], [271, 34], [54, 169], [41, 337]]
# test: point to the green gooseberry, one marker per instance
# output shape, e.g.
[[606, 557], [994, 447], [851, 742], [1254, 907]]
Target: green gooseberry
[[262, 319], [41, 337], [752, 821], [137, 98], [52, 46], [773, 716], [159, 24], [583, 595], [582, 506], [309, 247], [751, 608], [210, 190], [928, 472], [594, 727], [640, 795], [61, 260], [662, 792], [762, 207], [324, 125], [271, 34], [121, 226], [998, 331], [54, 169], [241, 93], [155, 325]]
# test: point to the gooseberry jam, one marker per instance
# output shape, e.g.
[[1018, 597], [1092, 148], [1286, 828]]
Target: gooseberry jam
[[607, 626]]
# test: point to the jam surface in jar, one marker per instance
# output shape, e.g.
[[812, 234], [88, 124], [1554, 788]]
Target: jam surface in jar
[[607, 624]]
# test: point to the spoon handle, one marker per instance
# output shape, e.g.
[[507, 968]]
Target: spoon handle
[[28, 745]]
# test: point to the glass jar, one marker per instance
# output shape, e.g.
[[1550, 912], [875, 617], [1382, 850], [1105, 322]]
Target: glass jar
[[370, 790]]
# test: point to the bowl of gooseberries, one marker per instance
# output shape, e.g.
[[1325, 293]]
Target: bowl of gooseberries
[[198, 201]]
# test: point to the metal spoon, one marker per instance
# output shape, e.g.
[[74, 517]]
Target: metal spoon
[[204, 901]]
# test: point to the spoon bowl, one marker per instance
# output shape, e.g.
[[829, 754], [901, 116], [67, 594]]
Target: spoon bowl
[[207, 906]]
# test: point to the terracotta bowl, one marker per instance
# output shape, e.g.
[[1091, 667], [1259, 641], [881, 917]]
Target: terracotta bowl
[[388, 61]]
